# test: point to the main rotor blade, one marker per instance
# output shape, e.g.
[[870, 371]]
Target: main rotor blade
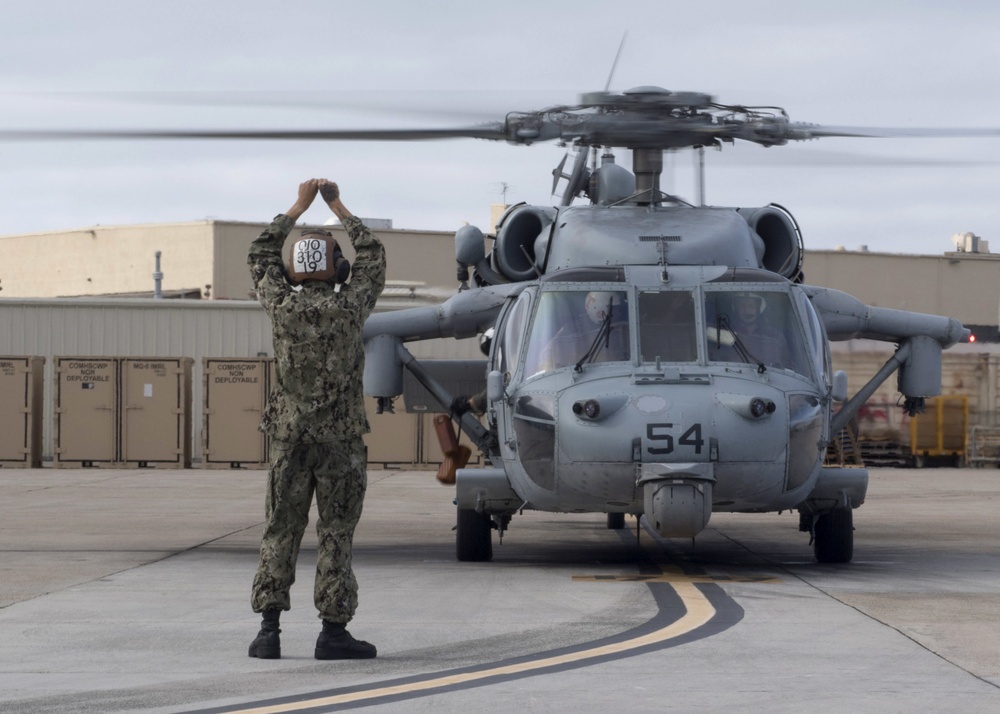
[[816, 131], [635, 131], [451, 106], [494, 132], [744, 155]]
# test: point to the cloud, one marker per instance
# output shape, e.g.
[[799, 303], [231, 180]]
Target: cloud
[[318, 64]]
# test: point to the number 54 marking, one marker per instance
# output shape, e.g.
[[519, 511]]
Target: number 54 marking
[[662, 434]]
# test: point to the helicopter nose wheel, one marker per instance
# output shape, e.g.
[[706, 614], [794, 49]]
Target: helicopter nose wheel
[[616, 521], [473, 536]]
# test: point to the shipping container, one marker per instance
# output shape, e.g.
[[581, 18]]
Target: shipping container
[[235, 393], [86, 411], [21, 391], [155, 418]]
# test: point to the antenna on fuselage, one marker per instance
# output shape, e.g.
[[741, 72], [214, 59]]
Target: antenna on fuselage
[[614, 65], [701, 175]]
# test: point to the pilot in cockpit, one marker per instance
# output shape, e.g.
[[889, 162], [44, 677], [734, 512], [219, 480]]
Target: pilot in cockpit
[[574, 328], [764, 342]]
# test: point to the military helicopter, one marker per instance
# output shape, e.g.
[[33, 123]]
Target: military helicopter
[[649, 356], [644, 355]]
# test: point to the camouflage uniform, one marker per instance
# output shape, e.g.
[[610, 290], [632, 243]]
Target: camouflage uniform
[[315, 417]]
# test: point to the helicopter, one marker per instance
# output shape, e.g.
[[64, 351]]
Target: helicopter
[[644, 355], [648, 356]]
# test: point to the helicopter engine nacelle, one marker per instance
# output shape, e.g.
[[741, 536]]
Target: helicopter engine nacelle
[[523, 241], [781, 237]]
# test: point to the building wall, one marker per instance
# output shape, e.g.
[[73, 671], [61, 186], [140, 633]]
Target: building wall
[[203, 256], [210, 256], [969, 383], [131, 327], [106, 260]]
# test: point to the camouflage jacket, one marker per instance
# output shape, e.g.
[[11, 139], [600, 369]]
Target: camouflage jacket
[[318, 347]]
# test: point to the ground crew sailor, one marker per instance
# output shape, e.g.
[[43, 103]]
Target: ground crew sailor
[[315, 415]]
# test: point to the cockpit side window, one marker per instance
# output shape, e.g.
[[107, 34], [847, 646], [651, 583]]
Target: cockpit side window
[[511, 334], [755, 327], [667, 326], [578, 327], [815, 337]]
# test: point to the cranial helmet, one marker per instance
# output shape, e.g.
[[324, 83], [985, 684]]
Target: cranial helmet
[[755, 299], [316, 256], [598, 303]]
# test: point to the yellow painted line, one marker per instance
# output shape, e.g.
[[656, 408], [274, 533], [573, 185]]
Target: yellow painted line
[[699, 611], [677, 577], [673, 574]]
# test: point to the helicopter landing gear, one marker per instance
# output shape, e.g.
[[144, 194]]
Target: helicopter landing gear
[[616, 521], [473, 538], [833, 536]]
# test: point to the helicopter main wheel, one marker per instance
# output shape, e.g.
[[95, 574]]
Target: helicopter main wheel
[[834, 536], [473, 537], [616, 521]]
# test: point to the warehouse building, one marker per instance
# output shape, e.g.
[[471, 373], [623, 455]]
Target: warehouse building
[[182, 290]]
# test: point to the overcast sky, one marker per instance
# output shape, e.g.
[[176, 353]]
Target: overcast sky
[[326, 64]]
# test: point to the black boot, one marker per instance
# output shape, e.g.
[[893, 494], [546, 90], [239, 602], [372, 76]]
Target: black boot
[[267, 644], [335, 642]]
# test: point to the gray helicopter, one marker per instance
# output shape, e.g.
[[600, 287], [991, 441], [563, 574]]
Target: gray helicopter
[[648, 356]]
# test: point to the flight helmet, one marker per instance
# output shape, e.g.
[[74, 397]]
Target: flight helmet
[[316, 256]]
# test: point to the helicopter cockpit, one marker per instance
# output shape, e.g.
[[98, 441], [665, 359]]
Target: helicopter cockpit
[[761, 328], [651, 378], [573, 326]]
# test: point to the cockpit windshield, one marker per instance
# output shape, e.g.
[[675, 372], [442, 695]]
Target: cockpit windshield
[[667, 331], [756, 327], [574, 328]]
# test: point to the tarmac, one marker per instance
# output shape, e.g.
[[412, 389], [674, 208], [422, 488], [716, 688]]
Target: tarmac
[[128, 591]]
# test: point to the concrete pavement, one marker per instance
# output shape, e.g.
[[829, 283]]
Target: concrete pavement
[[129, 591]]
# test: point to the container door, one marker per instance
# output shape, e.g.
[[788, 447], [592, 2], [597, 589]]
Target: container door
[[86, 421], [234, 397], [153, 409]]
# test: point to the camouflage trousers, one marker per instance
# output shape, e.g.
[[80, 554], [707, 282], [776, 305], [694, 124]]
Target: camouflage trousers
[[336, 474]]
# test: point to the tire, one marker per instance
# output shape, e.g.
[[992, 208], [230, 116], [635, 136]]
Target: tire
[[616, 521], [473, 536], [834, 536]]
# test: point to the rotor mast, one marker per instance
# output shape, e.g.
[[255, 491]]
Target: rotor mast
[[647, 165]]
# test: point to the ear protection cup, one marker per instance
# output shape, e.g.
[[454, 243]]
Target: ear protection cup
[[341, 267]]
